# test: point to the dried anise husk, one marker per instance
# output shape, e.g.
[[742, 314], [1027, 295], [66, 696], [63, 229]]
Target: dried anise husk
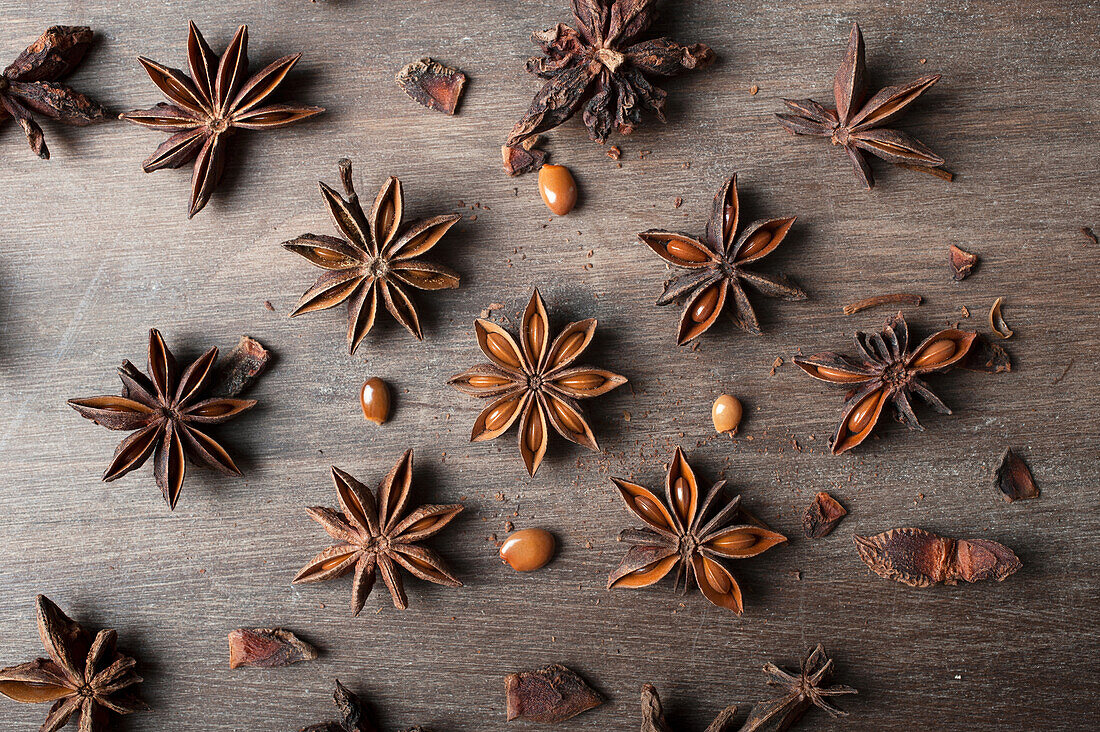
[[168, 413], [602, 65], [30, 85], [353, 718], [856, 123], [376, 259], [822, 516], [378, 534], [919, 558], [962, 262], [682, 536], [432, 84], [886, 371], [535, 382], [267, 648], [717, 264], [997, 321], [209, 106], [653, 717], [549, 695], [84, 676], [803, 689], [1014, 478]]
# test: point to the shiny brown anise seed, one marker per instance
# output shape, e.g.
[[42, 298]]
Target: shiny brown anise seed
[[374, 397], [726, 414], [558, 189], [528, 549], [837, 375], [935, 353]]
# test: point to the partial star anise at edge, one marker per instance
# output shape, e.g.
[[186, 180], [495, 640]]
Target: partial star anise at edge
[[802, 690], [535, 382], [207, 108], [717, 265], [680, 535], [653, 716], [376, 257], [886, 372]]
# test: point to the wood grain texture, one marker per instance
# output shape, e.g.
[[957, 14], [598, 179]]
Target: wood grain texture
[[95, 252]]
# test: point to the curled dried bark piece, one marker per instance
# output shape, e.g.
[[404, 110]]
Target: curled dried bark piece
[[244, 365], [919, 558], [432, 84], [267, 648], [822, 516], [551, 694], [653, 717], [997, 321], [1014, 478], [962, 262]]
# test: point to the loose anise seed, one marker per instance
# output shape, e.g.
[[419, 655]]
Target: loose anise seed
[[685, 251], [726, 414], [558, 189], [705, 305], [374, 397], [936, 353], [755, 243], [861, 415], [528, 549], [500, 348]]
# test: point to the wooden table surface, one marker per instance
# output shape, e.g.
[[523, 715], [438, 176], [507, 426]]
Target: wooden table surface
[[95, 253]]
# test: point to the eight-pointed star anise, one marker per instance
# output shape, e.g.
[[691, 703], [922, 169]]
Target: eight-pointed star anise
[[207, 108], [84, 675], [167, 415], [800, 692], [28, 84], [680, 535], [374, 259], [857, 126], [534, 382], [377, 534], [886, 371], [717, 266]]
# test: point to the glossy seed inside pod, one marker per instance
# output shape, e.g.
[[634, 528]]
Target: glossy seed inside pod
[[861, 415], [499, 347], [685, 251], [487, 382], [650, 510], [583, 381], [726, 414], [705, 305], [558, 189], [528, 549], [567, 418], [755, 243], [569, 347], [375, 400], [500, 414], [838, 375], [733, 542], [935, 353]]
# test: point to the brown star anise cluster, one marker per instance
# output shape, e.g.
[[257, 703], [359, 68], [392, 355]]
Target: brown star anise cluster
[[679, 534], [209, 106], [534, 381], [601, 65], [374, 260], [886, 372], [801, 690]]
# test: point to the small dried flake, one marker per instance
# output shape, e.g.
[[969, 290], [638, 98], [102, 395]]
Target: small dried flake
[[897, 298], [754, 89], [919, 558], [775, 365], [614, 152], [822, 516], [1014, 478], [988, 357], [267, 648], [242, 367], [997, 321], [677, 202], [432, 84], [962, 262], [550, 695], [1089, 234], [522, 158]]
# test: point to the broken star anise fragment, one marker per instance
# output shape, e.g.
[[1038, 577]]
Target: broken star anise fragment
[[601, 65], [432, 84], [535, 382], [717, 265], [886, 372], [856, 123], [353, 715], [822, 516], [549, 695], [209, 106], [267, 648], [29, 84], [919, 558], [802, 689], [378, 534], [653, 717], [168, 414], [376, 260], [85, 676], [1014, 478], [681, 535]]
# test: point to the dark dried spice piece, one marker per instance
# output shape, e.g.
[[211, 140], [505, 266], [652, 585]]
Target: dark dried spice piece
[[1089, 234], [167, 413], [718, 264], [886, 372], [997, 321], [244, 365], [29, 85], [523, 158], [987, 357], [267, 648], [551, 694], [601, 66], [377, 259], [378, 534], [856, 123], [962, 262], [679, 534], [432, 84], [919, 558], [84, 676], [822, 516], [802, 690], [653, 717], [353, 718], [1014, 478], [208, 107]]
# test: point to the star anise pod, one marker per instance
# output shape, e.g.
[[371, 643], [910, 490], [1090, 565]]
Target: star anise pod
[[680, 535], [856, 123], [353, 712], [653, 717], [168, 416], [375, 259], [886, 372], [29, 84], [535, 382], [800, 692], [717, 265], [602, 65], [378, 534], [209, 106], [84, 675]]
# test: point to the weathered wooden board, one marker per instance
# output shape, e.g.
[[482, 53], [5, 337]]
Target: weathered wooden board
[[95, 252]]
